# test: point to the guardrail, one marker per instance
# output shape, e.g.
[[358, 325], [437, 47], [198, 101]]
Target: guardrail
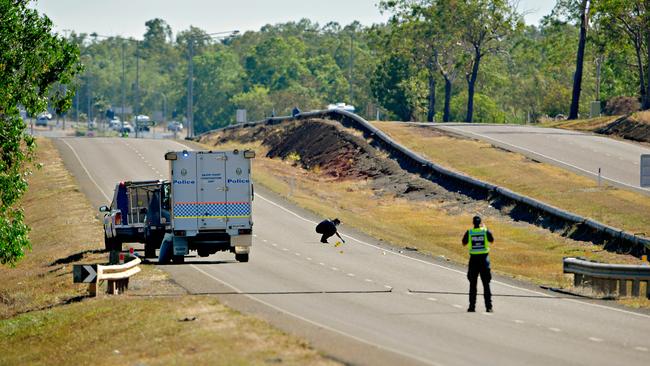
[[609, 279], [117, 276], [528, 209]]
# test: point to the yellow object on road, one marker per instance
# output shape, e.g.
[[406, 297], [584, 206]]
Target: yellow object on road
[[338, 244]]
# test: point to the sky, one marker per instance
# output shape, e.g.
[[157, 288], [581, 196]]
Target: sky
[[127, 17]]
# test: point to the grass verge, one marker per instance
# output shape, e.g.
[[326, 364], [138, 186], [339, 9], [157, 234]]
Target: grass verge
[[556, 186], [46, 319]]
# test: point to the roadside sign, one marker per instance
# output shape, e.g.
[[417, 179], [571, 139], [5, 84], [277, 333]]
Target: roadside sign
[[645, 170], [84, 273], [241, 116]]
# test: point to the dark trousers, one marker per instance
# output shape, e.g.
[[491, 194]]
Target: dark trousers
[[323, 239], [479, 264]]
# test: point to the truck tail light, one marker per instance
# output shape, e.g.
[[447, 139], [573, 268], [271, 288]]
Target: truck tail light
[[118, 218], [245, 231]]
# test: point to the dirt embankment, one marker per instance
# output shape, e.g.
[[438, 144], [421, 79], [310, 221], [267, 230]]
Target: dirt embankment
[[634, 127], [324, 147]]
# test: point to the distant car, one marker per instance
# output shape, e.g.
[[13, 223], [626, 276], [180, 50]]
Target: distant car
[[142, 122], [343, 106], [41, 121], [115, 124], [175, 126], [126, 128]]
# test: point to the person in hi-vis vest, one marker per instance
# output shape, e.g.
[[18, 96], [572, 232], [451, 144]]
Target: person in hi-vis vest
[[479, 239]]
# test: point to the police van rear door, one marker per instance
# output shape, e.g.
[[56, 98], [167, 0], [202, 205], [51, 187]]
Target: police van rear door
[[184, 192], [239, 194], [212, 206]]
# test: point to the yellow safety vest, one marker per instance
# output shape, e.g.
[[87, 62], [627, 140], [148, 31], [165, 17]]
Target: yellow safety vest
[[478, 242]]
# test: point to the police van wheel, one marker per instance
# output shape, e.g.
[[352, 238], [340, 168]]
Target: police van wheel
[[242, 257], [178, 259], [149, 250]]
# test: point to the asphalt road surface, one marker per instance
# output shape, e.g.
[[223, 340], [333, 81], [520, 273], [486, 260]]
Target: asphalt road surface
[[365, 303], [581, 152]]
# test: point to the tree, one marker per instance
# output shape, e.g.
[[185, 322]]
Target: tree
[[256, 102], [390, 86], [33, 63], [627, 19], [581, 10], [484, 26]]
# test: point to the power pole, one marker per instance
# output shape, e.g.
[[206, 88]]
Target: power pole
[[351, 64], [123, 87], [190, 90], [137, 87]]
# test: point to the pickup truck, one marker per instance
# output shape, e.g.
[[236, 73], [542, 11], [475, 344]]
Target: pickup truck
[[138, 213]]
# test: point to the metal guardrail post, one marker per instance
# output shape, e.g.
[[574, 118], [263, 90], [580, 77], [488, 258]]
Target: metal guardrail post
[[609, 279]]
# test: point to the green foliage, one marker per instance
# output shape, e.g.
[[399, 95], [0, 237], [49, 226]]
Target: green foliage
[[33, 65], [256, 102]]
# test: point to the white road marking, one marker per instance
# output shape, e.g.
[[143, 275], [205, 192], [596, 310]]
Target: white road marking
[[308, 258], [396, 351], [642, 349], [83, 166], [519, 321], [255, 235], [285, 249], [432, 299], [264, 240], [557, 330], [488, 314], [275, 245], [458, 306], [594, 339], [321, 263], [388, 286], [368, 280], [297, 254], [334, 268], [545, 156], [454, 270], [351, 274]]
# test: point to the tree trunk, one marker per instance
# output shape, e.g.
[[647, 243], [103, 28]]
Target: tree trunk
[[637, 48], [471, 83], [646, 97], [577, 77], [447, 113], [431, 113]]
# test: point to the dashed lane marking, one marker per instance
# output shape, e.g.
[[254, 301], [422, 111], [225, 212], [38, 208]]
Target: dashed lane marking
[[351, 274], [457, 306], [334, 269], [519, 321], [308, 258], [464, 273], [432, 299], [368, 280], [557, 330], [594, 339], [642, 349]]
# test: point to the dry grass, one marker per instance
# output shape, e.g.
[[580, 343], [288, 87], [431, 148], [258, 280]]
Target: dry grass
[[63, 223], [521, 250], [616, 207], [114, 330], [123, 330], [590, 124]]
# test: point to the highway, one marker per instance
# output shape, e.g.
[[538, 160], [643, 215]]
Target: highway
[[365, 302], [581, 152]]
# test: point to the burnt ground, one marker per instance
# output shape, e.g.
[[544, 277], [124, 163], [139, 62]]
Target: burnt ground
[[630, 127], [339, 154]]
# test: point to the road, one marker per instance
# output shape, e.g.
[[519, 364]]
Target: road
[[356, 302], [581, 152]]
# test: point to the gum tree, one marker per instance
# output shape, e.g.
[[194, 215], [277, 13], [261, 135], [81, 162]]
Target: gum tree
[[34, 63]]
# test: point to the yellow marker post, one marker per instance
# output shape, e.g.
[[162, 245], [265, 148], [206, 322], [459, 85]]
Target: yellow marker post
[[338, 244]]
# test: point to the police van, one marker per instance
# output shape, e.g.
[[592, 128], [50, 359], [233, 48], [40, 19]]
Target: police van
[[211, 196]]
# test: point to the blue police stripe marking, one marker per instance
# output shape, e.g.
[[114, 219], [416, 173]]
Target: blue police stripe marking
[[191, 210]]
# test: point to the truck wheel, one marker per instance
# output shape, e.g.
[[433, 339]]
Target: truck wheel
[[149, 250], [242, 257], [178, 259], [108, 243]]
